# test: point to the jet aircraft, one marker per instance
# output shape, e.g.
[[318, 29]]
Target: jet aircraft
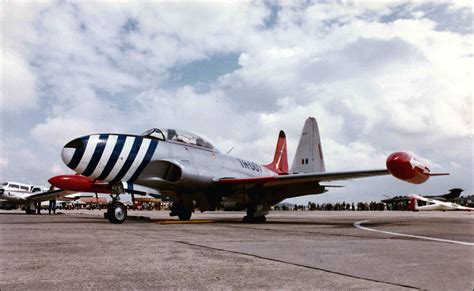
[[452, 196], [433, 204], [191, 171]]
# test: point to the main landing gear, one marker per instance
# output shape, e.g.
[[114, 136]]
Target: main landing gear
[[254, 219], [30, 208], [254, 216], [116, 211], [178, 209]]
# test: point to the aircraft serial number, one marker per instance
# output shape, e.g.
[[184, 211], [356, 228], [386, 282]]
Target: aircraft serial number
[[250, 165]]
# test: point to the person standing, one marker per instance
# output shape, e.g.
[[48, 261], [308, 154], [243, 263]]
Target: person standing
[[52, 206]]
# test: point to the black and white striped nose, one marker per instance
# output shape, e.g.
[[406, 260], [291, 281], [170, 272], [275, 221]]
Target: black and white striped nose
[[73, 152], [109, 157]]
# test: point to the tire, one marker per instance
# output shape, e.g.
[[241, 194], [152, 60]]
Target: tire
[[254, 219], [260, 219], [184, 215], [116, 213], [29, 211]]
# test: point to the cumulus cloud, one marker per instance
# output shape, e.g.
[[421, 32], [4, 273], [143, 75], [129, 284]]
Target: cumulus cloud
[[62, 129], [378, 77], [18, 83]]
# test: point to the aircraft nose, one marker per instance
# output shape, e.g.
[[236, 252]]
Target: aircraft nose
[[70, 149]]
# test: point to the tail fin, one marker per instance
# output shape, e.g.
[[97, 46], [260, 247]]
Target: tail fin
[[309, 154], [453, 194], [280, 160]]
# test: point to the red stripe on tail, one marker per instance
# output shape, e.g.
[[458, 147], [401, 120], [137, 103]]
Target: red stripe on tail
[[280, 160]]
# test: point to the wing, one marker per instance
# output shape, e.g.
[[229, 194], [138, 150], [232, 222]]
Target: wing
[[421, 198], [307, 178], [48, 195]]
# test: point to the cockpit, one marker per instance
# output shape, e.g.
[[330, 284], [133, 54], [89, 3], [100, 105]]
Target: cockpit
[[179, 136]]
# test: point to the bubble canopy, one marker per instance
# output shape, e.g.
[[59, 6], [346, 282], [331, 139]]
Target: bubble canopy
[[179, 136]]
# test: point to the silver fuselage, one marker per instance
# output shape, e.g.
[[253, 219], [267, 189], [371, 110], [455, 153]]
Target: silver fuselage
[[167, 166]]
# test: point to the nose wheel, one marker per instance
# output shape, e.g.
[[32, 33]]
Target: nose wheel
[[116, 212]]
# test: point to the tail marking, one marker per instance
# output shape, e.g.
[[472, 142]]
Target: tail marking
[[279, 164]]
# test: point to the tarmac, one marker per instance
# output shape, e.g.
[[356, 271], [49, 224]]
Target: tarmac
[[79, 249]]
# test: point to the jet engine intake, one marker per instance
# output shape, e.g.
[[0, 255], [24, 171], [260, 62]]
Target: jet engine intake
[[167, 171]]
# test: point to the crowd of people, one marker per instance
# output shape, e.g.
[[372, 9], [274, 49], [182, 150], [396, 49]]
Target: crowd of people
[[343, 206], [311, 206]]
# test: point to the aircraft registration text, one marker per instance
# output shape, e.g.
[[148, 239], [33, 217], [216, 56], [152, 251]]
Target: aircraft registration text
[[250, 165]]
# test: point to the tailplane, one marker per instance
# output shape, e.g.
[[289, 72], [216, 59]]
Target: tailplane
[[309, 154], [280, 160]]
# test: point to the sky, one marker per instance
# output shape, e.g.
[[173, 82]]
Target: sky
[[378, 77]]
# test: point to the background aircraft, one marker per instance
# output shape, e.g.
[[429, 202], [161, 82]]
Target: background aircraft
[[451, 196], [195, 174], [26, 195], [433, 204]]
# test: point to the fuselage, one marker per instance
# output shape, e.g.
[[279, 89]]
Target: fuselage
[[433, 205], [159, 162], [439, 205]]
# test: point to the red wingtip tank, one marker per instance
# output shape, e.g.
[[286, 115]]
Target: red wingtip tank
[[78, 183], [406, 167]]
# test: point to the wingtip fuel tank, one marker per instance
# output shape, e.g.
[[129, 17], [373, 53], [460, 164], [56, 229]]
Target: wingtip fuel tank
[[77, 183], [407, 167]]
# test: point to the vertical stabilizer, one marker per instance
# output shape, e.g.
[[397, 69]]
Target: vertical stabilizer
[[309, 154], [280, 160]]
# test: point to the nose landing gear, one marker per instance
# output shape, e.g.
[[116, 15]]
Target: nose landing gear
[[116, 212]]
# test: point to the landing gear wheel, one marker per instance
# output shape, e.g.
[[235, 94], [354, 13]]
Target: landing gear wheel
[[251, 218], [116, 212], [254, 219], [29, 211], [184, 215], [178, 209]]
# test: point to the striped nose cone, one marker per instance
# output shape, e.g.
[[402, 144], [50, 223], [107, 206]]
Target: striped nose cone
[[67, 154], [73, 152], [109, 157], [82, 154]]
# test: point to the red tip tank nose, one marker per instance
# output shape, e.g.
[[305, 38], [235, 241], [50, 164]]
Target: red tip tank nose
[[78, 183], [398, 164], [404, 166], [72, 183]]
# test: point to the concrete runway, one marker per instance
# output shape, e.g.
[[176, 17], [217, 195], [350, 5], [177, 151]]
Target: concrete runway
[[293, 250]]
